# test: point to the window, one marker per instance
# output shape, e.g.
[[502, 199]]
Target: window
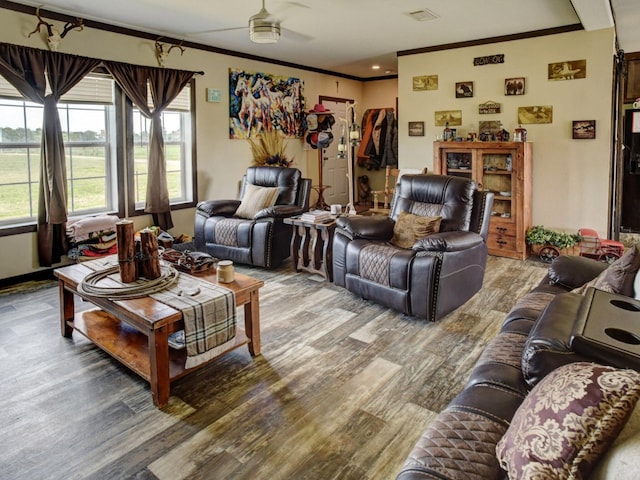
[[178, 143], [87, 118], [93, 126]]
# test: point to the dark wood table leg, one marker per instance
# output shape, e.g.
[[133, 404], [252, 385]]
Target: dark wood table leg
[[296, 240], [67, 310], [304, 245], [252, 323], [159, 363], [327, 254]]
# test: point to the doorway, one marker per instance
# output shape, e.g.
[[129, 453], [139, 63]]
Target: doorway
[[334, 170]]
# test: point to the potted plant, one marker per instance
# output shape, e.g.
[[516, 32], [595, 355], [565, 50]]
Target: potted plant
[[269, 150], [548, 244]]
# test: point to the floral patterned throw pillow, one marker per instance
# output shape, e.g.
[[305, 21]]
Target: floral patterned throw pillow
[[568, 421]]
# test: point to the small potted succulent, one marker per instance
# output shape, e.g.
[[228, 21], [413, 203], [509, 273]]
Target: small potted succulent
[[548, 244]]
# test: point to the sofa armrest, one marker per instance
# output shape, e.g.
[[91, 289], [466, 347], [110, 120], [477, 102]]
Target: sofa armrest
[[210, 208], [279, 211], [369, 228], [448, 242], [571, 271]]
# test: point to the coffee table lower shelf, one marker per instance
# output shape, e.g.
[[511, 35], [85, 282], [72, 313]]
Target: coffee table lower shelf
[[131, 347]]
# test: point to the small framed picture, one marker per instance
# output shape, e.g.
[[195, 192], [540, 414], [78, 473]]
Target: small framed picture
[[416, 129], [584, 129], [464, 89], [568, 70], [514, 86]]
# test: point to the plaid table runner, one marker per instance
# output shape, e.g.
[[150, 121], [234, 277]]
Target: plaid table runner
[[209, 313]]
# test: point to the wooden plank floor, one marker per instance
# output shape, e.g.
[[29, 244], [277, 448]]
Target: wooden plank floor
[[343, 388]]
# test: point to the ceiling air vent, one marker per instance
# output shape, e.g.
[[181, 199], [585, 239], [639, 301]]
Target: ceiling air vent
[[422, 15]]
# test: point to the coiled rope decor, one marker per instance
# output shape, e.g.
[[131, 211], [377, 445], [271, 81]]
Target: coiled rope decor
[[141, 288]]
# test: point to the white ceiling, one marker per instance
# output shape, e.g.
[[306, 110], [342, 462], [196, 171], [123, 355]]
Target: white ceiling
[[349, 36]]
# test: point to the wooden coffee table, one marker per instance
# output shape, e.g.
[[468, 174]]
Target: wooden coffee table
[[135, 331]]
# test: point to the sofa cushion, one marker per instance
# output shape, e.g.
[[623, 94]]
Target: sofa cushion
[[255, 199], [456, 444], [573, 271], [619, 277], [409, 228], [567, 421]]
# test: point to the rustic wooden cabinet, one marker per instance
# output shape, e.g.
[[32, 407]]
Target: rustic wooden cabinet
[[504, 168]]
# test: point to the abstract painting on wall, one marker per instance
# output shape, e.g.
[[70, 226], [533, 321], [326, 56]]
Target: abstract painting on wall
[[265, 102]]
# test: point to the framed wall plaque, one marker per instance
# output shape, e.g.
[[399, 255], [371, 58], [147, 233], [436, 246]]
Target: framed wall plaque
[[416, 129]]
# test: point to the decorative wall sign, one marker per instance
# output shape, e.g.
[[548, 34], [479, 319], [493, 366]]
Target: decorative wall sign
[[262, 101], [489, 59], [536, 114], [214, 95], [464, 89], [425, 82], [416, 129], [489, 107], [567, 70], [514, 86], [453, 117], [584, 129]]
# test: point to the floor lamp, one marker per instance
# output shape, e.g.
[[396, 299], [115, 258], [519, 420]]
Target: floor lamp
[[348, 147]]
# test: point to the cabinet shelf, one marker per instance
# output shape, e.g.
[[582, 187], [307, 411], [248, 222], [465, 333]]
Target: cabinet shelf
[[496, 167]]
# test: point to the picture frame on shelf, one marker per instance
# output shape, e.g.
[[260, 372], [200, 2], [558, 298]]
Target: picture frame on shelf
[[514, 86], [464, 89], [584, 129], [416, 129]]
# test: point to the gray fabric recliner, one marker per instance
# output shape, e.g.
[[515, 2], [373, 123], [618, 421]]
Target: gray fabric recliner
[[264, 240], [441, 271]]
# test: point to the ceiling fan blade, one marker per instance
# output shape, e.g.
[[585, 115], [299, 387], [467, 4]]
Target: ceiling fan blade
[[293, 35], [218, 30]]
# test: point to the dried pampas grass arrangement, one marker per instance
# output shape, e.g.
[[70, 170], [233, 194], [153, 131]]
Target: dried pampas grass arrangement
[[268, 150]]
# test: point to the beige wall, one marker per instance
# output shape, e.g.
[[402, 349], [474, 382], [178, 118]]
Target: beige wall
[[571, 177], [221, 161]]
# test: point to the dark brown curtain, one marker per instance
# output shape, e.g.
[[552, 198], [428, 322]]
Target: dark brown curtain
[[25, 69], [165, 85]]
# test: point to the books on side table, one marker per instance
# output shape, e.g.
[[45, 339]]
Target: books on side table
[[316, 216]]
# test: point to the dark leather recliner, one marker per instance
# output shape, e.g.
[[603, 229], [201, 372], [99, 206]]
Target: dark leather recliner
[[264, 240], [441, 271]]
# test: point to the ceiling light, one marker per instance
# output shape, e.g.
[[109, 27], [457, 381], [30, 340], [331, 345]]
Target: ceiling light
[[375, 67], [261, 31]]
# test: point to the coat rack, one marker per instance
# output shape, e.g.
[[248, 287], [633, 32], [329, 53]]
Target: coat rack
[[343, 147]]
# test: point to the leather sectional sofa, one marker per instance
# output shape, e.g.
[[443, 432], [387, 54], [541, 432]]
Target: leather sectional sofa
[[534, 340]]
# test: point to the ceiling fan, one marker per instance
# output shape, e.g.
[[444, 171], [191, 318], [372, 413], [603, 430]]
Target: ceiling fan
[[264, 27]]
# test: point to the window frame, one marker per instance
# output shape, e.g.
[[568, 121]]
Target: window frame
[[132, 210], [31, 226]]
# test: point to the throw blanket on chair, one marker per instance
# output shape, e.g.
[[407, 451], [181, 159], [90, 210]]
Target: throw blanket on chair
[[209, 313]]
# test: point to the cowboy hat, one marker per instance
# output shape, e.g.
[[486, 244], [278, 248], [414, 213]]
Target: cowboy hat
[[319, 108]]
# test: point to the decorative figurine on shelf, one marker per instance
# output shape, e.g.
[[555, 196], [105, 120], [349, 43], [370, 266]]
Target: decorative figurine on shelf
[[448, 133], [502, 135], [520, 134], [472, 135]]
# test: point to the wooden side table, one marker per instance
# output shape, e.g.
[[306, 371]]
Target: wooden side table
[[311, 246]]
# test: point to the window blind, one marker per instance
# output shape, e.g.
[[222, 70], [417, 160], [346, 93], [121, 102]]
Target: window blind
[[94, 88]]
